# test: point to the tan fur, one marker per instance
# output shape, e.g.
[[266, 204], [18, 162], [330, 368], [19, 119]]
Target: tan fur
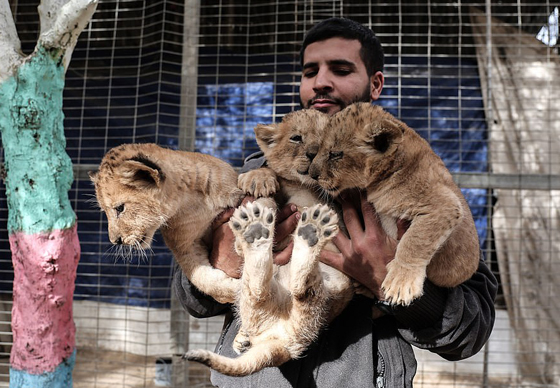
[[282, 309], [367, 148], [179, 193], [289, 148]]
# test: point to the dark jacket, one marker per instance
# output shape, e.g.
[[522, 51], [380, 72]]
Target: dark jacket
[[357, 351]]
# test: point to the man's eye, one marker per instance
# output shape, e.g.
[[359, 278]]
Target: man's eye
[[342, 72], [310, 74], [296, 139], [119, 209], [335, 155]]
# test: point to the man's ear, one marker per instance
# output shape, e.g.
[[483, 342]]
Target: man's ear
[[141, 173], [384, 135], [376, 83], [266, 135]]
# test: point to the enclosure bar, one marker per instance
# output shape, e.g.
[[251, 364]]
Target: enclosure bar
[[464, 180]]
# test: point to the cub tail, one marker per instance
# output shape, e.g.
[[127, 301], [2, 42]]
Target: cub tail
[[270, 353]]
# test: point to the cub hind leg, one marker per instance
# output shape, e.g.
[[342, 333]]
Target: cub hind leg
[[309, 312], [253, 227], [317, 226]]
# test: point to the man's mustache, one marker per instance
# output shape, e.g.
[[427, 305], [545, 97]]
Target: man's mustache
[[324, 97]]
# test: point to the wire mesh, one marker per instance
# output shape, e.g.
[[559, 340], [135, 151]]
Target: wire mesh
[[200, 75]]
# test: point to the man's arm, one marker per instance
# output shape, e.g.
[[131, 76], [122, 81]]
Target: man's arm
[[454, 323], [195, 302]]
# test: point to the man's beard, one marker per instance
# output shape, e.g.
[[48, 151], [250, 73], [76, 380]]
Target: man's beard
[[364, 97]]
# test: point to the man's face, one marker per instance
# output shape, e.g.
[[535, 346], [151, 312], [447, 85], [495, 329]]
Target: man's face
[[334, 76]]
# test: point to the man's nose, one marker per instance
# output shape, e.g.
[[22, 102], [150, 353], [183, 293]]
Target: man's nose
[[322, 81]]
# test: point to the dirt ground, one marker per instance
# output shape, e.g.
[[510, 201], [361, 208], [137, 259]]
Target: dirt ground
[[97, 368]]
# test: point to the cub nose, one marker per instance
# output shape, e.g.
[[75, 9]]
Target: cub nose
[[314, 172], [119, 241], [311, 152]]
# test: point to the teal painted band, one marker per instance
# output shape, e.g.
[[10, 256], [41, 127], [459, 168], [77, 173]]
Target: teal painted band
[[60, 378], [38, 170]]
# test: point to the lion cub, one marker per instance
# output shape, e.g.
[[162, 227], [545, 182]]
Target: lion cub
[[282, 309], [144, 187], [367, 148]]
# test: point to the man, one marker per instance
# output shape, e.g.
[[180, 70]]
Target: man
[[342, 63]]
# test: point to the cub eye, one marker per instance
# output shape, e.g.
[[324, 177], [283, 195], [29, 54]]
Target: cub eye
[[119, 209], [296, 139], [335, 155]]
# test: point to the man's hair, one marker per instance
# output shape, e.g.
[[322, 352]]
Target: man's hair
[[371, 52]]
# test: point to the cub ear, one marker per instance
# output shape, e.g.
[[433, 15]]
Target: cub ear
[[93, 175], [384, 135], [141, 173], [266, 135]]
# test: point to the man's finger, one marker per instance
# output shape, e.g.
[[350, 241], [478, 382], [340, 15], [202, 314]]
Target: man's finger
[[343, 243], [285, 212], [335, 260], [283, 257], [371, 219], [351, 218], [222, 218], [286, 227], [402, 227]]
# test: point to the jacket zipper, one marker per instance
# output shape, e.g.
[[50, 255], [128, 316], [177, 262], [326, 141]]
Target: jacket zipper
[[380, 380]]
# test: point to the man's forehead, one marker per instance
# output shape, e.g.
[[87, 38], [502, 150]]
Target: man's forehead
[[333, 51]]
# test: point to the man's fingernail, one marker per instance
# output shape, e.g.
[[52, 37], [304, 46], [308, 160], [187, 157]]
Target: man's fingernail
[[298, 216], [293, 208]]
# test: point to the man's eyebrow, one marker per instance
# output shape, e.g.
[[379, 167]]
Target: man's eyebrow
[[344, 62], [335, 62]]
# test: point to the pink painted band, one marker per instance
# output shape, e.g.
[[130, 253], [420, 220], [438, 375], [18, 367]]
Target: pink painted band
[[44, 274]]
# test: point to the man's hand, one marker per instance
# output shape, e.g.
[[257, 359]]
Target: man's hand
[[365, 255], [286, 222], [223, 255]]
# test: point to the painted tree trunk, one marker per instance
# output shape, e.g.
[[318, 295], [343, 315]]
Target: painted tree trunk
[[38, 175]]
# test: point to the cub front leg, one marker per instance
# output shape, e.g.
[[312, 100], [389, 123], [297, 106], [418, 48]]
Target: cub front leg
[[426, 235], [211, 281], [317, 226], [404, 282], [261, 182]]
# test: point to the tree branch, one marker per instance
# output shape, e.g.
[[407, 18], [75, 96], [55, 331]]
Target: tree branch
[[10, 46], [62, 31]]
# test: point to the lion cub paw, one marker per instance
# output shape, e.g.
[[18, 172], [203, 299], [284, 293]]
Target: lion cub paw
[[253, 225], [241, 343], [261, 182], [403, 284], [318, 225]]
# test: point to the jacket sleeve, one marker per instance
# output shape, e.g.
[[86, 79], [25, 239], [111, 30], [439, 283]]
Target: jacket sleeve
[[197, 304], [454, 323], [253, 161]]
